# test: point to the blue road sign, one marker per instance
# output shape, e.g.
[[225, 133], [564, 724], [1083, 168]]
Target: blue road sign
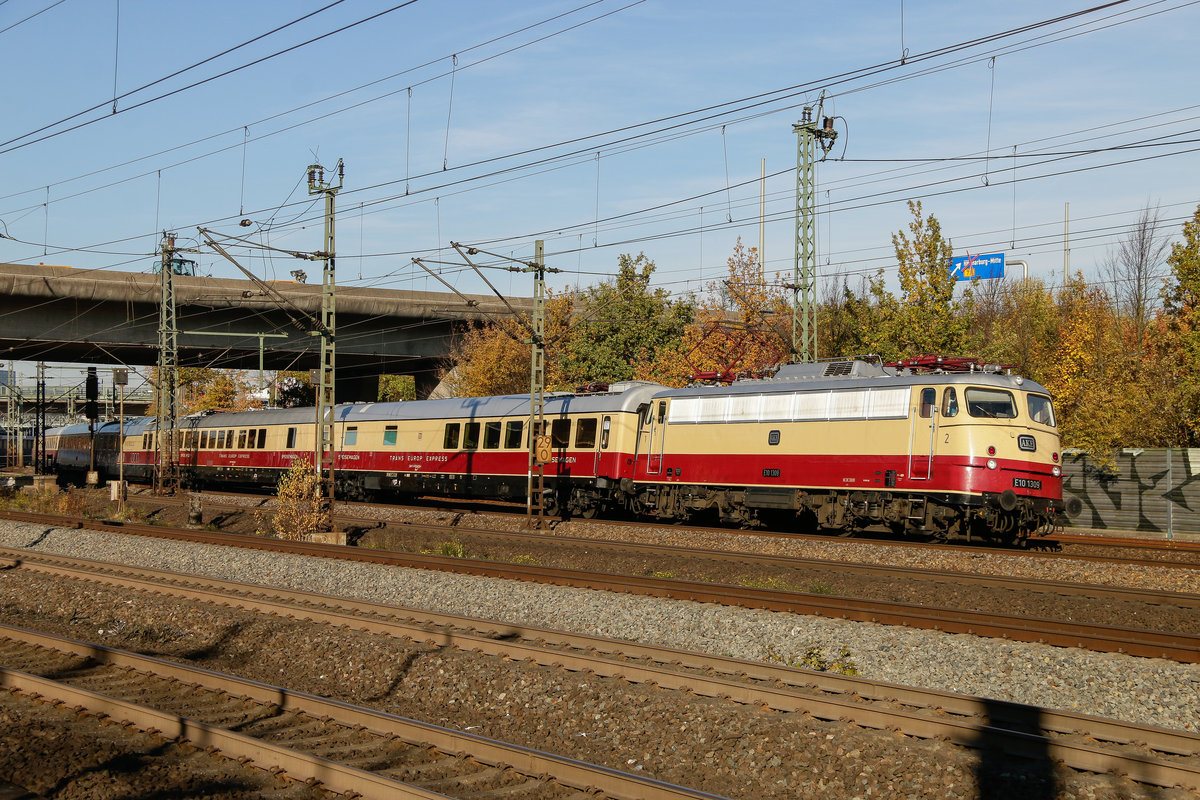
[[981, 267]]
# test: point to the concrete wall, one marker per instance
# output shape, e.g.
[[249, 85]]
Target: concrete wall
[[1155, 489]]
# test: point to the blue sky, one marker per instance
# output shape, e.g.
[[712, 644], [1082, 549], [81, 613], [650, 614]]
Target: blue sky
[[536, 120]]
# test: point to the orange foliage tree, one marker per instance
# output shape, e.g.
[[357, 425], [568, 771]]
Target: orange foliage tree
[[742, 326], [488, 359]]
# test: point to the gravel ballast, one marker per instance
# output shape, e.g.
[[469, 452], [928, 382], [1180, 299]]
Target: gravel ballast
[[1148, 691]]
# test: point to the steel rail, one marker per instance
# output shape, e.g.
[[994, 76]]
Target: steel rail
[[1066, 588], [789, 692], [338, 777], [1062, 633]]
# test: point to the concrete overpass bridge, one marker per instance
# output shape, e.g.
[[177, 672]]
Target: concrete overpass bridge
[[59, 314]]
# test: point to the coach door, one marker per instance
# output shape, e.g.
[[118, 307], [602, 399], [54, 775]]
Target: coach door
[[602, 445], [922, 436], [652, 435]]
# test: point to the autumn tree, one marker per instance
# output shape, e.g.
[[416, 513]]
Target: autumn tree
[[742, 326], [1181, 304], [926, 318], [621, 323], [491, 359], [204, 389], [1093, 374], [1134, 268], [294, 389], [397, 387], [1019, 324]]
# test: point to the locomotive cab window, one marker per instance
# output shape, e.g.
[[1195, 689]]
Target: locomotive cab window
[[1041, 410], [604, 433], [560, 433], [350, 437], [585, 433], [662, 411], [450, 441], [949, 402], [389, 434], [471, 436], [491, 435], [928, 402], [512, 434], [990, 403]]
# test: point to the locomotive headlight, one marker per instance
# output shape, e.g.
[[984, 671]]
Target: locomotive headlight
[[1056, 472], [991, 463]]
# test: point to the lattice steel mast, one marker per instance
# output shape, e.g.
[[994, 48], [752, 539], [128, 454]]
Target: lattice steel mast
[[323, 454], [804, 273], [166, 471]]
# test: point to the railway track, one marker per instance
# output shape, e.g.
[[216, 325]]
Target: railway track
[[1150, 755], [1064, 545], [348, 749], [1172, 645]]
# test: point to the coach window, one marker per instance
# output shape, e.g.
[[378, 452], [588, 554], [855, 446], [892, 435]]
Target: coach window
[[291, 439], [604, 433], [560, 433], [512, 434], [585, 433], [949, 402], [491, 435], [145, 441], [242, 439], [450, 442], [928, 402], [262, 438], [389, 434], [471, 436], [350, 437], [221, 440]]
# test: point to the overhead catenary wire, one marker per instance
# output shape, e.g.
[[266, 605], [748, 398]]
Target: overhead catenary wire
[[439, 236], [364, 204]]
